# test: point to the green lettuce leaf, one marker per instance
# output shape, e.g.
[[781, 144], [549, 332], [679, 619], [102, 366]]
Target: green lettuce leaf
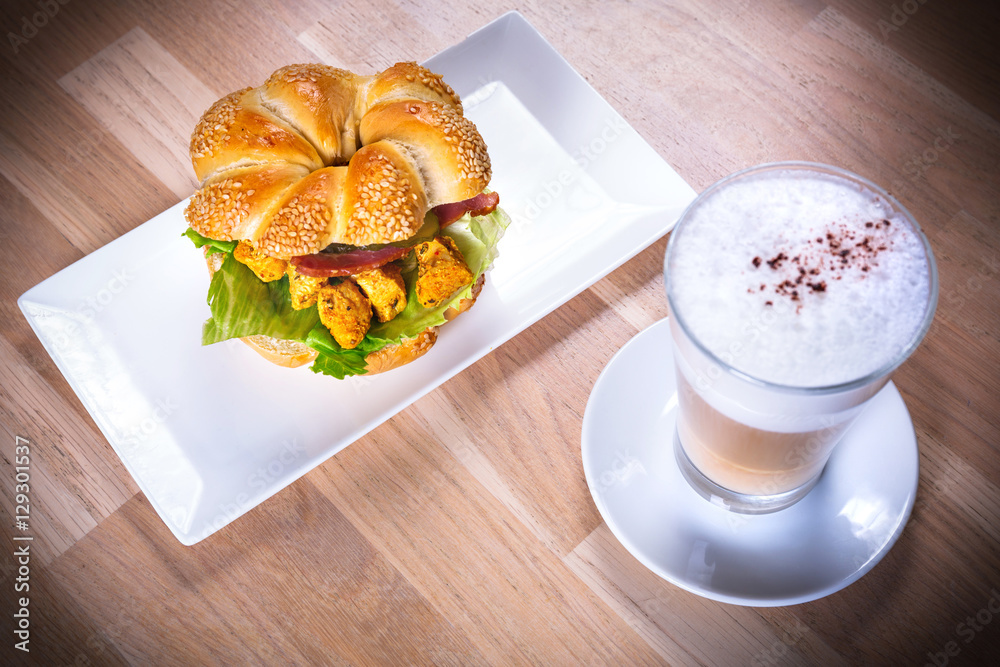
[[243, 305], [333, 359], [214, 245]]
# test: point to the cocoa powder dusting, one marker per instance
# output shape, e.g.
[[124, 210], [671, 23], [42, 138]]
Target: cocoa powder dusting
[[775, 262], [840, 250]]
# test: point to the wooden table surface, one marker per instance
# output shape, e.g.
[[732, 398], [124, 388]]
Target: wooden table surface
[[462, 531]]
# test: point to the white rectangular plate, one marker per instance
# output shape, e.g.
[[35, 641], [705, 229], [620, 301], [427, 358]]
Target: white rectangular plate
[[210, 432]]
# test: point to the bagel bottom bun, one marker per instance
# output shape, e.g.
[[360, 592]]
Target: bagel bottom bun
[[291, 353], [288, 353]]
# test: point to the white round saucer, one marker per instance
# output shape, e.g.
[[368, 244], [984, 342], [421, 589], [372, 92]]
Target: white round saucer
[[816, 547]]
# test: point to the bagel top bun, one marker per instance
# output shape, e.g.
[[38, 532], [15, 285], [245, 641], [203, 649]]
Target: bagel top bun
[[319, 155]]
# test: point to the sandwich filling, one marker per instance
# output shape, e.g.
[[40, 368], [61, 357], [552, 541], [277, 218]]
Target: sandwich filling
[[347, 302]]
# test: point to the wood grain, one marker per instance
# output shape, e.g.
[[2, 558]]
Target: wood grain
[[141, 94], [462, 530], [416, 36], [685, 628]]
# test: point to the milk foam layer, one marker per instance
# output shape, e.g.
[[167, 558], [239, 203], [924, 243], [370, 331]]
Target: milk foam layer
[[799, 278]]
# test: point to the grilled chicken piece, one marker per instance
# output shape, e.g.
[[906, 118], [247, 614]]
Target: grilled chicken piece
[[303, 289], [267, 268], [441, 271], [385, 288], [345, 311]]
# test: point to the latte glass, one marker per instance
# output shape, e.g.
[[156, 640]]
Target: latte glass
[[794, 291]]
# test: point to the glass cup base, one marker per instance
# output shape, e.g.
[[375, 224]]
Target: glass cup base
[[740, 503]]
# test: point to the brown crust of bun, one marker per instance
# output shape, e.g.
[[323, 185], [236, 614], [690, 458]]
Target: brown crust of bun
[[288, 353], [257, 153], [319, 102], [394, 356], [292, 354], [465, 304], [222, 206], [454, 163], [239, 130], [397, 211], [408, 81]]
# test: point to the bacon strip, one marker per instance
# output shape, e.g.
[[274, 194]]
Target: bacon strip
[[323, 265], [328, 265], [481, 204]]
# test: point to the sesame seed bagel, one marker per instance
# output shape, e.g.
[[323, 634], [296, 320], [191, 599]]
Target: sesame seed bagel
[[319, 155]]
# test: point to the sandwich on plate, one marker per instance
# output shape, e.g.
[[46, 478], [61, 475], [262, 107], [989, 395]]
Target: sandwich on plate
[[344, 218]]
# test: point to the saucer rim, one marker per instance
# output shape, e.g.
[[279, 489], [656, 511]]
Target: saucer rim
[[906, 431]]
